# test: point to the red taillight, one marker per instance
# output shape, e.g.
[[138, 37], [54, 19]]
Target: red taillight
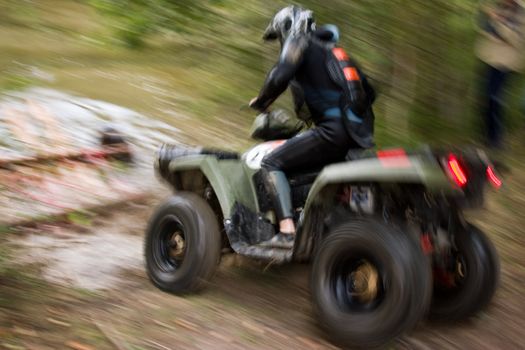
[[493, 178], [456, 171]]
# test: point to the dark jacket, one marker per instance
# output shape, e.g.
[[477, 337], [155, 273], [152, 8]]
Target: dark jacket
[[303, 66]]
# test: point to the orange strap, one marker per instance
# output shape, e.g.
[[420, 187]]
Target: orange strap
[[351, 74], [340, 54]]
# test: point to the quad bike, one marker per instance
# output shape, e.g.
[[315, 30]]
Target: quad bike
[[384, 232]]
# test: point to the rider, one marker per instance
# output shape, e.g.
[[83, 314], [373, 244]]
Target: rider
[[323, 78]]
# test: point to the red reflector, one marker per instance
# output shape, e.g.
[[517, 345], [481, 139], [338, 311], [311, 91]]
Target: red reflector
[[426, 244], [394, 158], [456, 171], [493, 178]]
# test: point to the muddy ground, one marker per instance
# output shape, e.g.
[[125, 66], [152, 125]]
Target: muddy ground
[[96, 294]]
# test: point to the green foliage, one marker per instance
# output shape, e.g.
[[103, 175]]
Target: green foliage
[[134, 19], [420, 55], [15, 81]]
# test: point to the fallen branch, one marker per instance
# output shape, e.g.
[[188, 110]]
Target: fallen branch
[[88, 155]]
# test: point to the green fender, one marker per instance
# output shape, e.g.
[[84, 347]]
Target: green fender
[[418, 169], [229, 179]]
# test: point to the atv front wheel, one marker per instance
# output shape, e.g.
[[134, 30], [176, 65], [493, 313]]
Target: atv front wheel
[[182, 244], [471, 278], [370, 283]]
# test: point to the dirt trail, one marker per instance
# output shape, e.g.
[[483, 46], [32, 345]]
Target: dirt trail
[[89, 260], [247, 306]]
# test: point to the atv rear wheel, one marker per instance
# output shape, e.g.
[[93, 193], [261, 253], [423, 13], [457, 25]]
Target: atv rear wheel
[[469, 283], [182, 244], [370, 283]]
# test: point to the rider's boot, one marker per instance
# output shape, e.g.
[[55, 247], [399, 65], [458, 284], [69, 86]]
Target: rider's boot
[[278, 189]]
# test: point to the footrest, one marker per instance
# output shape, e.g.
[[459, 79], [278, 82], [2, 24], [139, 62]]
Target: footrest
[[276, 255]]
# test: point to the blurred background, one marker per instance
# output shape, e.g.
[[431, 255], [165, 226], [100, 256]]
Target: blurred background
[[204, 59], [180, 71]]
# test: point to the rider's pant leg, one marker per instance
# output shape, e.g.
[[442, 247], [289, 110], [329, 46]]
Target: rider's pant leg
[[278, 189], [304, 151]]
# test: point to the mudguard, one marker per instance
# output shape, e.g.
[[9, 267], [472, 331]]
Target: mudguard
[[415, 169], [231, 182], [229, 179]]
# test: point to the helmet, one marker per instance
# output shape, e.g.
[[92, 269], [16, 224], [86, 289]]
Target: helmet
[[290, 21]]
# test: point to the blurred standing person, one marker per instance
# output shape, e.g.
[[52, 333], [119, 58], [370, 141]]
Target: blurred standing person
[[501, 48]]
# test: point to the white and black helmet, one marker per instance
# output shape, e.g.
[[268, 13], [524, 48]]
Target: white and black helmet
[[290, 21]]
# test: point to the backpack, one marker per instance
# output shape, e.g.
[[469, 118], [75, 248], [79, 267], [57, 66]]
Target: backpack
[[357, 98]]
